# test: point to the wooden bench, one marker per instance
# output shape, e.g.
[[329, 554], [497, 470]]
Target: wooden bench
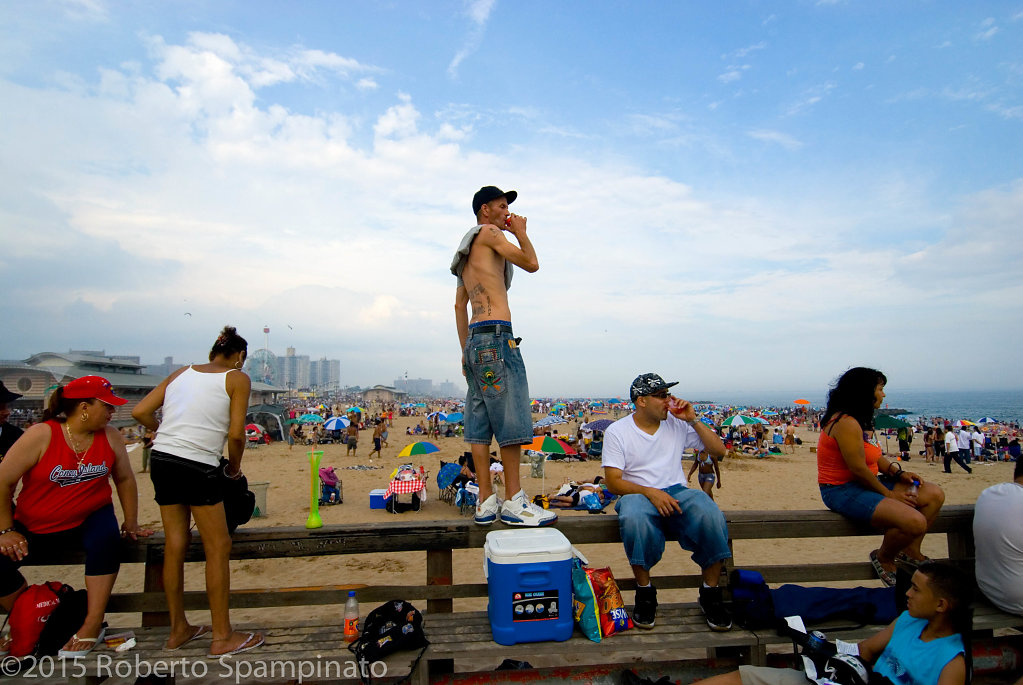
[[460, 640]]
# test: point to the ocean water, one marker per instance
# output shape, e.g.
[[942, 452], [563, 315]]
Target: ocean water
[[1003, 405]]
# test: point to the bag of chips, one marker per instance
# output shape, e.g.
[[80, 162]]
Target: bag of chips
[[598, 605]]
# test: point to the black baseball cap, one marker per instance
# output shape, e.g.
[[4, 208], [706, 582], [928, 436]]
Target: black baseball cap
[[7, 396], [488, 194], [648, 384]]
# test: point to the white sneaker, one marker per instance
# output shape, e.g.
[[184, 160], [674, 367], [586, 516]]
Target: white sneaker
[[519, 511], [487, 510]]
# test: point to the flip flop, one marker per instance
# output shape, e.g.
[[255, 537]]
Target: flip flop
[[199, 632], [79, 653], [887, 577], [250, 643], [910, 561]]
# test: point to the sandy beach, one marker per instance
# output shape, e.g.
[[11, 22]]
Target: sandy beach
[[786, 482]]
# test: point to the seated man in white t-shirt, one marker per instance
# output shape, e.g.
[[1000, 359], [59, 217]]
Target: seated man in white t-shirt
[[642, 462], [998, 535]]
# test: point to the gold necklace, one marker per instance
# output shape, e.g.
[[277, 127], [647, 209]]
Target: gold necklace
[[79, 454]]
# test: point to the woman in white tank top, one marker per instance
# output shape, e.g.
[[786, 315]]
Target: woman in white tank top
[[204, 409]]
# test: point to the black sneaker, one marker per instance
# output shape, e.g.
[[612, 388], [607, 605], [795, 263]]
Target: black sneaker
[[646, 607], [713, 606]]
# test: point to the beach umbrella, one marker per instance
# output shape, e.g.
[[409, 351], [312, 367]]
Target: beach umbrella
[[447, 475], [598, 425], [963, 422], [615, 400], [549, 421], [355, 409], [336, 423], [255, 427], [770, 413], [986, 420], [886, 421], [739, 420], [310, 418], [439, 414], [420, 404], [544, 443], [417, 448], [455, 417], [292, 421], [800, 401]]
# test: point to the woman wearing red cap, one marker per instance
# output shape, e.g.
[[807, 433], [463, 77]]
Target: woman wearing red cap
[[65, 465], [204, 409]]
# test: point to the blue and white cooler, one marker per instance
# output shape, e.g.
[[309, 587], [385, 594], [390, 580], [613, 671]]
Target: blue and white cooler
[[529, 576]]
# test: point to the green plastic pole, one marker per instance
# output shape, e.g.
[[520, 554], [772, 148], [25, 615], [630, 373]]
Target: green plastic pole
[[314, 520]]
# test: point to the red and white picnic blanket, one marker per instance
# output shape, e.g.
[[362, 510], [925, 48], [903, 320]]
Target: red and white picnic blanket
[[406, 487]]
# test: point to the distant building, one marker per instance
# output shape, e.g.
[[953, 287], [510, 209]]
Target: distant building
[[36, 377], [449, 389], [415, 386], [162, 370], [325, 374], [294, 370], [382, 393]]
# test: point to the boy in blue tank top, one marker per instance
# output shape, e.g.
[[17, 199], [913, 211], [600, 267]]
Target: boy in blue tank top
[[923, 646]]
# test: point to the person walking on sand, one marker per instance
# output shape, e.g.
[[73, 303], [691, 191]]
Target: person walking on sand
[[790, 437], [353, 435], [710, 472], [497, 402], [378, 432]]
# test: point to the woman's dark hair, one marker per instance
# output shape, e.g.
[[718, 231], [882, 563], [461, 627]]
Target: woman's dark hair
[[956, 587], [853, 394], [58, 407], [228, 343]]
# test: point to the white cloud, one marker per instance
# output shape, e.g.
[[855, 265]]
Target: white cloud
[[191, 191], [366, 84], [742, 52], [733, 73], [783, 139], [858, 66], [478, 12]]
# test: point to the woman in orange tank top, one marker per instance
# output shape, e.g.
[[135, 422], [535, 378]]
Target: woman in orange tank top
[[859, 482]]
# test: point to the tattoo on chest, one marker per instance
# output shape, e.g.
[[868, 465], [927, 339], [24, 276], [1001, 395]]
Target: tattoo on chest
[[480, 301]]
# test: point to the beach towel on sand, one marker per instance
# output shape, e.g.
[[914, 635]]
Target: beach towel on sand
[[462, 255]]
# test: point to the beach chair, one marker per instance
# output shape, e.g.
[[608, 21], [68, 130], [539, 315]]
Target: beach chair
[[465, 498], [330, 486]]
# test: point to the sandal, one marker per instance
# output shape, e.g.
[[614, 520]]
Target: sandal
[[251, 642], [904, 558], [886, 576], [199, 632], [78, 653]]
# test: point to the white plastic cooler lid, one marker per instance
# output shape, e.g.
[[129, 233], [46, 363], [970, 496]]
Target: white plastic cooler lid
[[527, 545]]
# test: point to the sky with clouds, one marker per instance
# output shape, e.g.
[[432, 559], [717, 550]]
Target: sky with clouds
[[750, 198]]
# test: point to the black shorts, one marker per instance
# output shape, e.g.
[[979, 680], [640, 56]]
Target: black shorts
[[376, 444], [183, 481]]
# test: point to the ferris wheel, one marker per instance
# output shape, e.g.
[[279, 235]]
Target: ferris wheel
[[261, 365]]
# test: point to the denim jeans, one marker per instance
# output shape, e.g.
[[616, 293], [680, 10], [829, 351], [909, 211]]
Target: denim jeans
[[700, 528], [497, 404]]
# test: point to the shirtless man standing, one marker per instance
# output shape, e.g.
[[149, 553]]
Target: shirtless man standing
[[497, 404]]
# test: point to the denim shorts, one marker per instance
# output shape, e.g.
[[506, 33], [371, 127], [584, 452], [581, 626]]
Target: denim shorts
[[700, 528], [852, 500], [497, 404]]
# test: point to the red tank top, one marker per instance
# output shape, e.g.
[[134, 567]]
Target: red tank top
[[831, 467], [56, 494]]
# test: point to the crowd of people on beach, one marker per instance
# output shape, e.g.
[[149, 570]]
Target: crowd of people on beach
[[66, 462]]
